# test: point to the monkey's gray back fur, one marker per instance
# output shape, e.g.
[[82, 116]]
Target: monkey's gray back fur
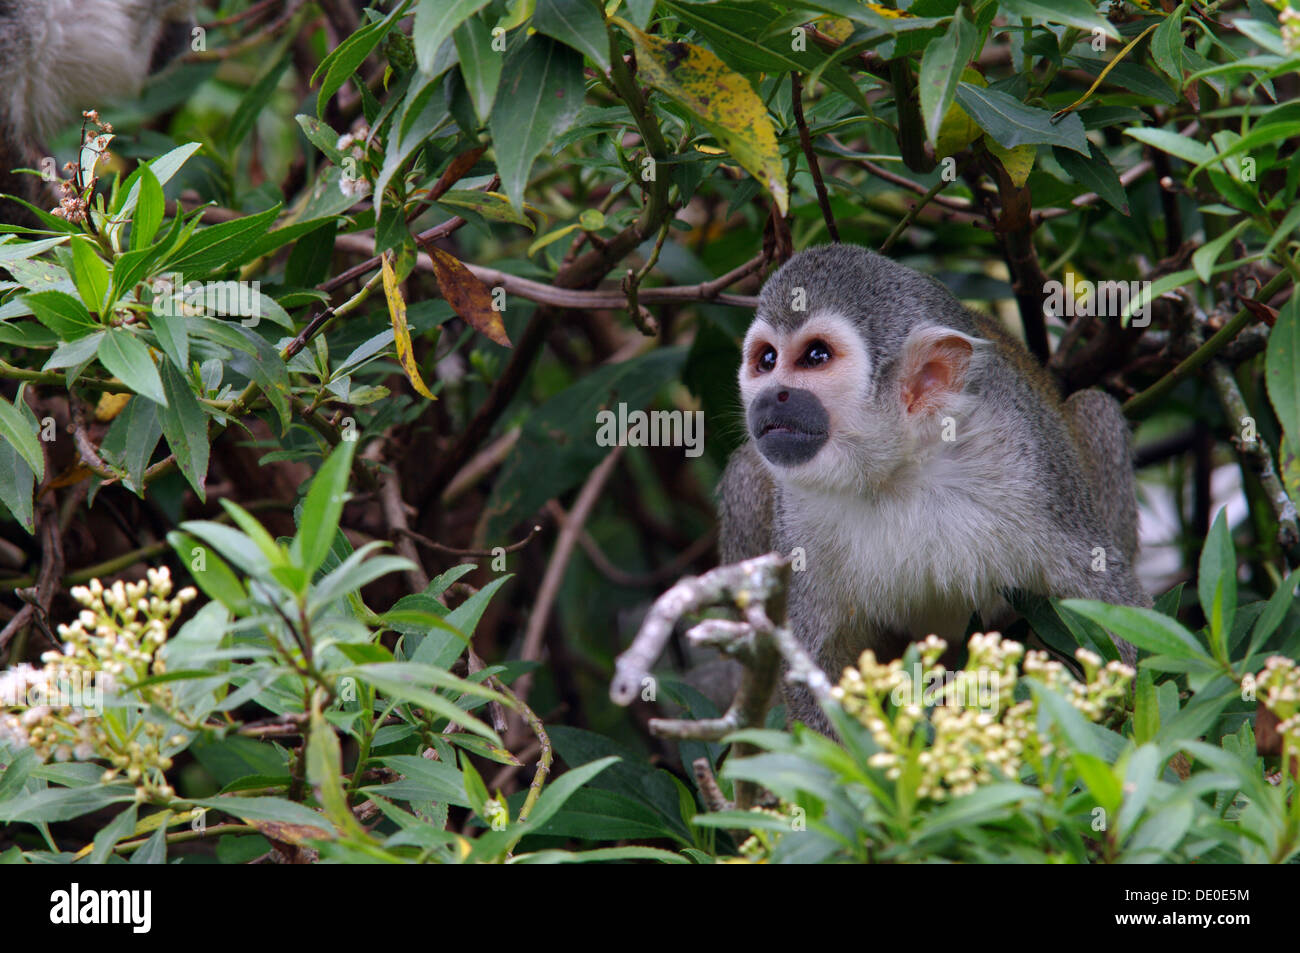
[[1035, 494], [59, 57]]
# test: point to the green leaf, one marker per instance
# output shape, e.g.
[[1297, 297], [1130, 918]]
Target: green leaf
[[61, 313], [1216, 583], [172, 332], [560, 790], [1146, 708], [1279, 604], [185, 426], [149, 210], [254, 531], [475, 789], [1012, 123], [405, 683], [480, 65], [577, 23], [435, 21], [323, 507], [1145, 628], [209, 571], [1167, 45], [1204, 258], [119, 827], [1095, 173], [17, 483], [21, 435], [1262, 135], [282, 810], [1282, 367], [1184, 147], [90, 275], [941, 67], [423, 780], [321, 135], [1076, 13], [538, 99], [222, 246], [163, 168], [347, 57], [154, 850], [491, 205], [63, 804], [127, 358], [74, 352], [254, 101], [324, 771], [232, 544]]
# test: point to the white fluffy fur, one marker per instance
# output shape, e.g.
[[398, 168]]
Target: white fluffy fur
[[78, 54]]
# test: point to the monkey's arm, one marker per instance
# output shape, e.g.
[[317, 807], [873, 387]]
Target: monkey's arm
[[746, 500]]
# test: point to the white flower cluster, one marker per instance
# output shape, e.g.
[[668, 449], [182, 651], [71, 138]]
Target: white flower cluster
[[1288, 18], [113, 642], [1279, 688], [969, 744], [353, 146]]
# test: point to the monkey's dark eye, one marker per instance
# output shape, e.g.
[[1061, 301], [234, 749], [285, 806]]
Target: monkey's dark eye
[[818, 352], [767, 359]]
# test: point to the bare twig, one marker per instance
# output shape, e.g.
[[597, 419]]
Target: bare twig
[[555, 569], [805, 142]]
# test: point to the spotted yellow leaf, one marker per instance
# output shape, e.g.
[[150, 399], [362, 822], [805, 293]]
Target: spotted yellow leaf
[[723, 102], [402, 334]]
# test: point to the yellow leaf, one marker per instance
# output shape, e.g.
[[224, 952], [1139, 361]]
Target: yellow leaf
[[958, 130], [1018, 161], [110, 405], [721, 100], [886, 12], [401, 334], [838, 29], [544, 240]]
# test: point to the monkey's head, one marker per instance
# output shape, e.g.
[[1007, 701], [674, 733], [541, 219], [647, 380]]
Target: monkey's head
[[850, 367]]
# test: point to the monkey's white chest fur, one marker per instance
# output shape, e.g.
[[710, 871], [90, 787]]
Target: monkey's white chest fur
[[918, 558]]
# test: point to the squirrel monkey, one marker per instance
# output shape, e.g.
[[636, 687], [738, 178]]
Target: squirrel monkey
[[921, 461], [58, 57]]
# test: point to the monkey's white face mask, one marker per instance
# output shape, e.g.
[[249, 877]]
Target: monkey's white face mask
[[824, 419]]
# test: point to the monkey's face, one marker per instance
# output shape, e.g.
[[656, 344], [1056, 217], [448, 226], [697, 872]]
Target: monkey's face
[[806, 393]]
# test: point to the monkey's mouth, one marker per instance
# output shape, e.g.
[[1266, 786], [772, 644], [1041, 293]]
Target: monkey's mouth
[[784, 429], [789, 425], [789, 446]]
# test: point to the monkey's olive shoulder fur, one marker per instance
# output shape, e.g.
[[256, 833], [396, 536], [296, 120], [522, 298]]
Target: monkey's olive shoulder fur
[[1026, 492]]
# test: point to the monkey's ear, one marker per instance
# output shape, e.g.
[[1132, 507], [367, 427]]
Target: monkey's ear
[[934, 367]]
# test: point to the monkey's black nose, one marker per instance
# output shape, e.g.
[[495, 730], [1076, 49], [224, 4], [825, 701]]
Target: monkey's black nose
[[789, 425]]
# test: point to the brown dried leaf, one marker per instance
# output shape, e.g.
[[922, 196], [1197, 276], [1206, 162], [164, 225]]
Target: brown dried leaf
[[468, 296]]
